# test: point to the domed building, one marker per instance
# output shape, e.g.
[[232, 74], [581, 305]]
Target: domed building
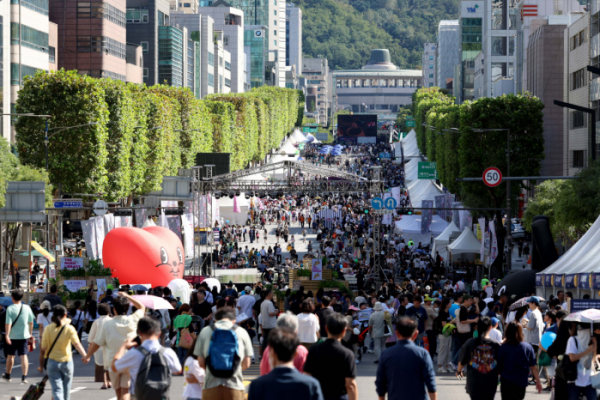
[[379, 87]]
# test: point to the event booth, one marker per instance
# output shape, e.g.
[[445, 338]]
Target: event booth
[[410, 228], [441, 242], [467, 244]]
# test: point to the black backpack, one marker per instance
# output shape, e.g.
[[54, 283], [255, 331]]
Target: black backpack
[[154, 377]]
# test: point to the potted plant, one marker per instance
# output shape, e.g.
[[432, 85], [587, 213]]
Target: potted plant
[[303, 274]]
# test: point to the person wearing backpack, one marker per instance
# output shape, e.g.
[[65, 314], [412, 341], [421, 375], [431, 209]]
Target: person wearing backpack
[[185, 335], [18, 328], [224, 350], [149, 364]]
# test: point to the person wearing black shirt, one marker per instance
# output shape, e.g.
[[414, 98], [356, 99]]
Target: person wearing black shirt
[[480, 357], [332, 364], [52, 297], [202, 308], [324, 314]]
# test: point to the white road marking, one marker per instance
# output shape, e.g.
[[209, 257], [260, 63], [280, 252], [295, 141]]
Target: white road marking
[[19, 365], [78, 389]]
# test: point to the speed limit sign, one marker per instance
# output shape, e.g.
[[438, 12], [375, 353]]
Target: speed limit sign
[[492, 177]]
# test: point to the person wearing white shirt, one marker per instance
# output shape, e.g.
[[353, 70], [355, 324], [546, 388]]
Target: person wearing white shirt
[[193, 379], [308, 325], [495, 334]]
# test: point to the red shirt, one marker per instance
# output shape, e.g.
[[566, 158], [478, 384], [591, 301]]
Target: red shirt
[[301, 354]]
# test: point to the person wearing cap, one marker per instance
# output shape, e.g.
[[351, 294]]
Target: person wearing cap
[[431, 316], [535, 326], [420, 315], [377, 329], [495, 334]]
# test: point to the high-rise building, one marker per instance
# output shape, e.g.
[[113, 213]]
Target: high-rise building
[[230, 21], [576, 127], [429, 65], [545, 81], [185, 6], [256, 54], [144, 17], [316, 71], [93, 35], [270, 13], [447, 52], [471, 38], [293, 37]]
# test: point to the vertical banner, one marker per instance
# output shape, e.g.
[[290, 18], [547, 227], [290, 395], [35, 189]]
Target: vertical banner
[[174, 224], [456, 215], [482, 227], [99, 223], [494, 248], [126, 221], [440, 202], [236, 205], [317, 270], [387, 218], [188, 231], [141, 215], [109, 223], [89, 235], [426, 215], [216, 214], [396, 195]]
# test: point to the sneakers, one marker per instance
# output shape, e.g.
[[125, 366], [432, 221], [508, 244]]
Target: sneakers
[[24, 382], [451, 367], [6, 377], [370, 351], [442, 370], [357, 361]]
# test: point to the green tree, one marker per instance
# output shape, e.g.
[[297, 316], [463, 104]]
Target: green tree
[[311, 106]]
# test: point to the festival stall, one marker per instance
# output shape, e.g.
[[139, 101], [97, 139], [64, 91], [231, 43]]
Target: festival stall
[[409, 226], [576, 270], [423, 189], [441, 242], [234, 210], [298, 137], [467, 243], [287, 148]]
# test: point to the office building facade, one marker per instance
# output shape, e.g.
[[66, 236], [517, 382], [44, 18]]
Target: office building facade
[[293, 37], [255, 49], [447, 52], [471, 39], [316, 71], [429, 64]]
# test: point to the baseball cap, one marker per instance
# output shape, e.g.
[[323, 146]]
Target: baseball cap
[[534, 299], [427, 298], [247, 289], [495, 320]]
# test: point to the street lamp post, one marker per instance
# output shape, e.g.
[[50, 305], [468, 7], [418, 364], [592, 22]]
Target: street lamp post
[[508, 208]]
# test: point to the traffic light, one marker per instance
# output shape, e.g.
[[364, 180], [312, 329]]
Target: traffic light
[[366, 210]]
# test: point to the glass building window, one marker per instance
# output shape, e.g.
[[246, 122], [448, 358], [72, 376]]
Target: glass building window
[[211, 59], [578, 79], [25, 71], [499, 46], [40, 6], [431, 57], [30, 37], [171, 51], [138, 15], [227, 65], [144, 46], [97, 44], [211, 80], [101, 10], [145, 72], [51, 54]]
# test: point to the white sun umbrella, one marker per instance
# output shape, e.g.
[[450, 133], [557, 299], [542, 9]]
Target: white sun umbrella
[[212, 282], [590, 316]]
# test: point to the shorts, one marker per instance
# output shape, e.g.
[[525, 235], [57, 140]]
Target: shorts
[[119, 380], [510, 390], [222, 393], [18, 346]]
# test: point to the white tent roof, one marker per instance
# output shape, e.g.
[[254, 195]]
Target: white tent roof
[[297, 137], [441, 241], [410, 228], [288, 148], [467, 242], [422, 189], [397, 149], [584, 256], [227, 202], [411, 170]]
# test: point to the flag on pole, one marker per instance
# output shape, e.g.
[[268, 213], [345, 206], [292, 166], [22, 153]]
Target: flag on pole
[[236, 206]]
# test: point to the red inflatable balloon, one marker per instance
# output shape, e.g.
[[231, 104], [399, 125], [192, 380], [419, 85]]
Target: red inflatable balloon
[[151, 255]]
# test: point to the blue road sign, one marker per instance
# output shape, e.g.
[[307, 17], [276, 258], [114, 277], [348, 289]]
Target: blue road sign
[[377, 203], [68, 204], [390, 203], [385, 155]]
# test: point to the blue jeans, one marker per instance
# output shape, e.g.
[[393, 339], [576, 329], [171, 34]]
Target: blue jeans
[[181, 353], [589, 393], [60, 375], [455, 350]]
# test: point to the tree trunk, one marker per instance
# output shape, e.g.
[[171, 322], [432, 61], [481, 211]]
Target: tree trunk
[[10, 242]]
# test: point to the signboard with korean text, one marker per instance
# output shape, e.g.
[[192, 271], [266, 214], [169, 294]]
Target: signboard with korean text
[[427, 170], [584, 304], [71, 263], [75, 285]]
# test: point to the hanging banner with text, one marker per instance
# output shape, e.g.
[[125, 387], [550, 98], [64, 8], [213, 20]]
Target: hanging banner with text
[[71, 263], [426, 215]]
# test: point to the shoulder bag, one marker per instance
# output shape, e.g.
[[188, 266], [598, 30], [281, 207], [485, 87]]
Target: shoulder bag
[[52, 347], [567, 369]]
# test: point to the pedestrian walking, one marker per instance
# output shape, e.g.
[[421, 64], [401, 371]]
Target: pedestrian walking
[[413, 378], [19, 326], [332, 364], [269, 315], [113, 334], [139, 363], [535, 326], [444, 338], [377, 329], [287, 322], [56, 345], [584, 355], [480, 358], [284, 381], [101, 370], [223, 338], [517, 359], [308, 325]]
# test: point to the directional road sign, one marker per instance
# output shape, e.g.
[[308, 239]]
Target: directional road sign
[[390, 203], [70, 203], [492, 177], [377, 203]]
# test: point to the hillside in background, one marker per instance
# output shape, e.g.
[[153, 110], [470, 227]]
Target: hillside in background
[[345, 31]]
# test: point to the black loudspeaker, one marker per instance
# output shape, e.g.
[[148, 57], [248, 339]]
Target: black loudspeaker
[[221, 162], [543, 250]]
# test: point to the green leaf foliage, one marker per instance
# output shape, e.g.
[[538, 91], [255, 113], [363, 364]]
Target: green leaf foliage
[[345, 31], [141, 133]]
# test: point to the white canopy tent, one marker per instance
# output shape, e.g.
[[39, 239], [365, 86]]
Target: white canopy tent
[[583, 257], [466, 243], [440, 242], [226, 209], [297, 137], [410, 228], [422, 189], [287, 148], [411, 170]]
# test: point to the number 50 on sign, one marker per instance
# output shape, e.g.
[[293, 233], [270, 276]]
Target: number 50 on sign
[[492, 177]]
